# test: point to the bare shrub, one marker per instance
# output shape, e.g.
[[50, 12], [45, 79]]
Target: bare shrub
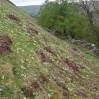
[[5, 44], [14, 18]]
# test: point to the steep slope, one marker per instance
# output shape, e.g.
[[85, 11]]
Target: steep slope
[[37, 65]]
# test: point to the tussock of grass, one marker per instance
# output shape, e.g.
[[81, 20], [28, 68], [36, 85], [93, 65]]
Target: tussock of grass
[[41, 66]]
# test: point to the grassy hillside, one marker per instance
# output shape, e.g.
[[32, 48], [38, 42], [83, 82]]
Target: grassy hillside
[[32, 10], [37, 65]]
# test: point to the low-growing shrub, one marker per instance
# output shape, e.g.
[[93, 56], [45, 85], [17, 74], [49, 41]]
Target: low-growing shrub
[[32, 31], [43, 56], [1, 94], [71, 64], [66, 93], [81, 92], [5, 44], [61, 84], [28, 89], [48, 49], [14, 18], [43, 79]]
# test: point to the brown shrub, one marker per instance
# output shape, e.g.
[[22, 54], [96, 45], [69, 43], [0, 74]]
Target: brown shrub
[[28, 92], [28, 89], [66, 93], [48, 49], [71, 64], [61, 84], [43, 79], [32, 31], [96, 96], [1, 95], [74, 49], [5, 44], [14, 18], [44, 57], [81, 92], [93, 88]]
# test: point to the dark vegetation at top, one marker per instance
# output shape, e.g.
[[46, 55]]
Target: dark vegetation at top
[[77, 19]]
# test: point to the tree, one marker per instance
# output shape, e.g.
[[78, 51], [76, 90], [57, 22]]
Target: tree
[[48, 13], [90, 7], [65, 18]]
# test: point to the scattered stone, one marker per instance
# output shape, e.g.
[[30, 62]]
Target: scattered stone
[[84, 44], [50, 31], [96, 51]]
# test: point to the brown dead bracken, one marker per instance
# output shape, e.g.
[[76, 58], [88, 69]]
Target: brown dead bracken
[[5, 44], [14, 18]]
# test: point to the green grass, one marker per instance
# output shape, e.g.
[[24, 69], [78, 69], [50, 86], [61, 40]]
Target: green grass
[[43, 65], [87, 51]]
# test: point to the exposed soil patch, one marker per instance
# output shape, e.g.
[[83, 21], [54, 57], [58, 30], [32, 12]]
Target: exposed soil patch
[[5, 44]]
